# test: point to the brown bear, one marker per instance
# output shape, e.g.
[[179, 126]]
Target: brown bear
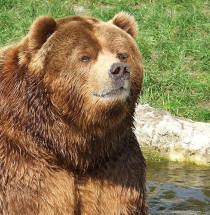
[[67, 96]]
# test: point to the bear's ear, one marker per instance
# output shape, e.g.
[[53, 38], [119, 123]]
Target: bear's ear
[[126, 23], [41, 29]]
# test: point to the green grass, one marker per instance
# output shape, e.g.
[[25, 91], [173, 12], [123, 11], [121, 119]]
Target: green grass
[[173, 38]]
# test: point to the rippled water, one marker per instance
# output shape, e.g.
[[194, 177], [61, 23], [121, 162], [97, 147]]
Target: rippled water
[[174, 188]]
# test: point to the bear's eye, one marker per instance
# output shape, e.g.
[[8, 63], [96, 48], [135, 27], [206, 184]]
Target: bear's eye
[[122, 56], [85, 59]]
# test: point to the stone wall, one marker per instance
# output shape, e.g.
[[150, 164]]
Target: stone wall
[[163, 134]]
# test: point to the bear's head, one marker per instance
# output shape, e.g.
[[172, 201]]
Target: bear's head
[[91, 70], [74, 83]]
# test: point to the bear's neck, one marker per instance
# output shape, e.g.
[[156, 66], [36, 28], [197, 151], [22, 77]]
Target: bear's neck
[[74, 148]]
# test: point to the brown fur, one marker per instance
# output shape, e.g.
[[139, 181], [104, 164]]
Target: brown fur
[[63, 148]]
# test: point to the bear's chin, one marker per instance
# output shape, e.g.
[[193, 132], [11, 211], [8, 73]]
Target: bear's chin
[[120, 93]]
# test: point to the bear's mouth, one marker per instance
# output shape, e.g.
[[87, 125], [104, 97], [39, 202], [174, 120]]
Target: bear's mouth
[[112, 92]]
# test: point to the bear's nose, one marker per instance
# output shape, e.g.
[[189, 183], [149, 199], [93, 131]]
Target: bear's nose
[[120, 71]]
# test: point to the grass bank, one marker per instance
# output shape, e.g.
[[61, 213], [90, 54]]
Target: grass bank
[[173, 39]]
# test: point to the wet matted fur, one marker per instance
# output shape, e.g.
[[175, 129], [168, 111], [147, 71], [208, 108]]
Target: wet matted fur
[[66, 139]]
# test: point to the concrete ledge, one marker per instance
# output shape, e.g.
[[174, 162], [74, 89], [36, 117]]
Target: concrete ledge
[[178, 139]]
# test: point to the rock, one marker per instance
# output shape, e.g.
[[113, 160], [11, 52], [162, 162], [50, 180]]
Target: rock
[[178, 139]]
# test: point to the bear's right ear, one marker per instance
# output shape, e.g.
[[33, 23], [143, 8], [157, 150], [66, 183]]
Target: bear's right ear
[[41, 29]]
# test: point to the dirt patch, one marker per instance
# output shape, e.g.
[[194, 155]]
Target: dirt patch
[[206, 104]]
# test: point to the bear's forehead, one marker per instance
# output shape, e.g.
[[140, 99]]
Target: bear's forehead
[[91, 31]]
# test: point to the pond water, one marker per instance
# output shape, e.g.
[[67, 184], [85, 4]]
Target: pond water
[[174, 188]]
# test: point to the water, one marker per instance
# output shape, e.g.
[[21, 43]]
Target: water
[[174, 188]]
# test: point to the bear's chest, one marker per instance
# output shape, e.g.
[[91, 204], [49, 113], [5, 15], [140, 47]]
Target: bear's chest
[[102, 192]]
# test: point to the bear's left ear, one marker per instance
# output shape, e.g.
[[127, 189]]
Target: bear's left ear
[[126, 23], [41, 29]]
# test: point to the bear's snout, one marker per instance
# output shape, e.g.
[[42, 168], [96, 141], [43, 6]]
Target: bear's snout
[[113, 80], [119, 71]]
